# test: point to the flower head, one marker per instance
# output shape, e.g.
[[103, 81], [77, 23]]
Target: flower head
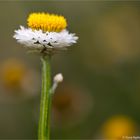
[[46, 33]]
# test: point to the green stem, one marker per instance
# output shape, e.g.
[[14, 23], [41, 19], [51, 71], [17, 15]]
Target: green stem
[[45, 105]]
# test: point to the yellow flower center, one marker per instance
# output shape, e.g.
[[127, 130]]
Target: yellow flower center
[[46, 22]]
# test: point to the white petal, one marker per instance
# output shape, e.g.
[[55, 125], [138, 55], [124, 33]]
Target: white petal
[[37, 39]]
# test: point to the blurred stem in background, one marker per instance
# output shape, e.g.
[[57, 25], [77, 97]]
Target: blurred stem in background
[[44, 120]]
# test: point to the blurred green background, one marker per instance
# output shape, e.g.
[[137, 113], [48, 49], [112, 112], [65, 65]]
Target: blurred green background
[[100, 95]]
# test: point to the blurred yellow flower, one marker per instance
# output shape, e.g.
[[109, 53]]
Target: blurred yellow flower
[[118, 126], [46, 22], [17, 76], [12, 72]]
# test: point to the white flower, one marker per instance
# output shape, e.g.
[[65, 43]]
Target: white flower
[[39, 40]]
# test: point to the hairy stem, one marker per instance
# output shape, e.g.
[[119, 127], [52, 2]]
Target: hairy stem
[[45, 105]]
